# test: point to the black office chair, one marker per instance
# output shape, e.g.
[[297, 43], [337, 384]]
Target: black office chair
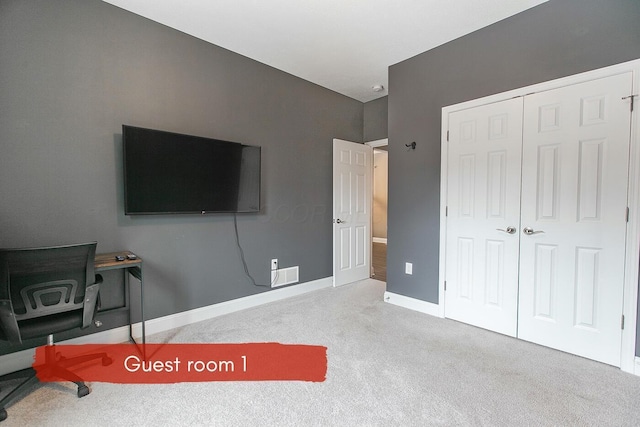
[[44, 291]]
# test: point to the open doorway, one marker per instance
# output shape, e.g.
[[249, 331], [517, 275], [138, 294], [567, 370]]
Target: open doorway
[[379, 209]]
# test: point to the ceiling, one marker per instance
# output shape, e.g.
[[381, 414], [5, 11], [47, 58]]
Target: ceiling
[[343, 45]]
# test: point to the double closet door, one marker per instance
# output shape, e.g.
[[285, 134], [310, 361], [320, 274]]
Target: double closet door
[[536, 222]]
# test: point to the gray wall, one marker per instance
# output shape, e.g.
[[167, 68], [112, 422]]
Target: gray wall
[[73, 71], [375, 119], [555, 39]]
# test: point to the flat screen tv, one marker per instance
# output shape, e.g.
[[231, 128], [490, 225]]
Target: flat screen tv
[[171, 173]]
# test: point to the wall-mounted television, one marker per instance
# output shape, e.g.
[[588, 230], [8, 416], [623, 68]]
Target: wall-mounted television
[[171, 173]]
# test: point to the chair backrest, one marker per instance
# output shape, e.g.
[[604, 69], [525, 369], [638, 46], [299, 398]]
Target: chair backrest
[[38, 282]]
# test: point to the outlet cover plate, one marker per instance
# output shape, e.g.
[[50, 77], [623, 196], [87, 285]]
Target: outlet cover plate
[[408, 268]]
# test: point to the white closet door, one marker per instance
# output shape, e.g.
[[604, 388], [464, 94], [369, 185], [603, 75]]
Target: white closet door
[[574, 193], [483, 197]]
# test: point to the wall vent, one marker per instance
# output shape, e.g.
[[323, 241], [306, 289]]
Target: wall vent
[[285, 276]]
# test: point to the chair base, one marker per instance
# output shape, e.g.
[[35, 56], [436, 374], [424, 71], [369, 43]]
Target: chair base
[[55, 366]]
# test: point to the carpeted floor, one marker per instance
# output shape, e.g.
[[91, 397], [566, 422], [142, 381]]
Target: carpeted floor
[[387, 366]]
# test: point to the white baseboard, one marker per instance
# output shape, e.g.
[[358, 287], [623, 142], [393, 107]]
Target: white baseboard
[[380, 240], [435, 310], [413, 304], [184, 318], [23, 359]]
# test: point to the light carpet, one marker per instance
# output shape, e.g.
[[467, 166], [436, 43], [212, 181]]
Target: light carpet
[[387, 366]]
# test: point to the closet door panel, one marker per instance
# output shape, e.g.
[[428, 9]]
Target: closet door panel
[[484, 155], [574, 195]]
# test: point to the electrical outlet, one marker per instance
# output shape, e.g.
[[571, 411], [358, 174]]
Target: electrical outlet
[[274, 264], [408, 268]]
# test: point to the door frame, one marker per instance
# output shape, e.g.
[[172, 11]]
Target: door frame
[[378, 143], [384, 142], [632, 259]]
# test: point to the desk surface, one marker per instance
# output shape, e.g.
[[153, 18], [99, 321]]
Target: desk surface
[[108, 261]]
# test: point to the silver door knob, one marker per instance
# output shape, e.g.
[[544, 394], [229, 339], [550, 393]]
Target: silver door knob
[[529, 231], [509, 230]]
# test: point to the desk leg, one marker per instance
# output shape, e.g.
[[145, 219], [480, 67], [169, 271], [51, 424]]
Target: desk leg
[[137, 273]]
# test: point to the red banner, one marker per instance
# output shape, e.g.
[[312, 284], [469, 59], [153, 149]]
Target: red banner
[[174, 363]]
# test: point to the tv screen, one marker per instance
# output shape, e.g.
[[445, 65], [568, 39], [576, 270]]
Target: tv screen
[[166, 173]]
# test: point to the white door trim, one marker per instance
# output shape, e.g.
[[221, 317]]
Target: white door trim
[[375, 144], [378, 143], [630, 306]]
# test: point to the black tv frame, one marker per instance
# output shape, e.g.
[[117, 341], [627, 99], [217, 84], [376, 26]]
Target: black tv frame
[[230, 183]]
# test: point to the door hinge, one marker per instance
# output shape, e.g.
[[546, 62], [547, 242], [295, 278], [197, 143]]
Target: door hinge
[[622, 322], [627, 214], [632, 97], [446, 211], [447, 136], [445, 285]]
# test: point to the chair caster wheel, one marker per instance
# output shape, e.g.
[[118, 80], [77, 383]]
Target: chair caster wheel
[[106, 361], [83, 390], [3, 414]]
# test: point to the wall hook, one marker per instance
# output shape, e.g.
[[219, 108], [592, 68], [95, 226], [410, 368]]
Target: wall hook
[[412, 145]]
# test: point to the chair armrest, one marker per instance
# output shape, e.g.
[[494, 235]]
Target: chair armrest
[[98, 302], [90, 302]]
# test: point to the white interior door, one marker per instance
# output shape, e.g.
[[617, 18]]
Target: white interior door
[[352, 180], [574, 201], [483, 203]]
